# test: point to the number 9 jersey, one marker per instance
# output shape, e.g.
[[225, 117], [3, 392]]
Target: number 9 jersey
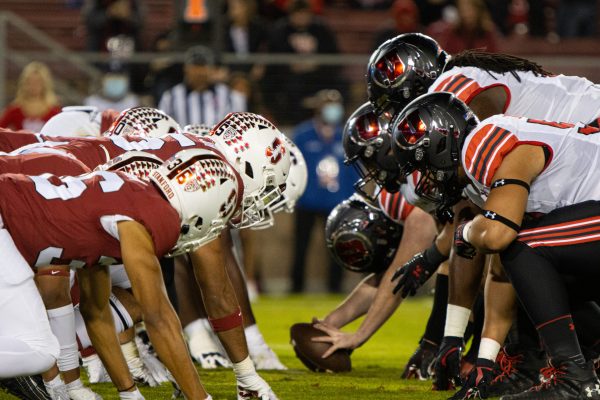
[[73, 220]]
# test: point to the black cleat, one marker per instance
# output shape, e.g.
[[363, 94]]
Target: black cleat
[[566, 381], [520, 370], [25, 387], [420, 364]]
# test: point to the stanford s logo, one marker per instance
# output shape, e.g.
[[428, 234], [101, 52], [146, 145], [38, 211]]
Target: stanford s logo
[[275, 151]]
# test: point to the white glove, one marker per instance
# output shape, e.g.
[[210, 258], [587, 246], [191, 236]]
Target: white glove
[[249, 384], [135, 395]]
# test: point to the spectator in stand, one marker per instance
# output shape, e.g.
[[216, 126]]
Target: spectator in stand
[[109, 18], [163, 73], [114, 92], [245, 32], [203, 97], [35, 101], [329, 180], [473, 28], [301, 33], [577, 18], [432, 10], [406, 19]]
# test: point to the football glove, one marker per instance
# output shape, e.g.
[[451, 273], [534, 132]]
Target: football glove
[[447, 364], [412, 275], [462, 247], [420, 363]]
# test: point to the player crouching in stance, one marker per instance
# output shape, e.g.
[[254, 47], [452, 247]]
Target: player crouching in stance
[[516, 166], [92, 221]]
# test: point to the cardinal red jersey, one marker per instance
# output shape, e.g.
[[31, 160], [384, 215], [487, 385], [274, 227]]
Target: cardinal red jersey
[[553, 98], [40, 163], [11, 140], [98, 150], [73, 220]]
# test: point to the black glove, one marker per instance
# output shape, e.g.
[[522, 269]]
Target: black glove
[[446, 366], [477, 382], [417, 271], [461, 246], [420, 363]]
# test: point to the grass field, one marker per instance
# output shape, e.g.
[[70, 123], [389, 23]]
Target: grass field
[[376, 366]]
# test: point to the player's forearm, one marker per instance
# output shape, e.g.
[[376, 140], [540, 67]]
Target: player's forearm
[[354, 306], [164, 330]]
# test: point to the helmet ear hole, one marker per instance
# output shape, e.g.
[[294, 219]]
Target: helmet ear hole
[[199, 222], [248, 170]]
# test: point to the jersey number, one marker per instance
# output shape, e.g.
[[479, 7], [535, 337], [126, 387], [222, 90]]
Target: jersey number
[[72, 187]]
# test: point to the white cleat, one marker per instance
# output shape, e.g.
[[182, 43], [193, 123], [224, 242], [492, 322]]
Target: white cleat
[[95, 369], [138, 370], [57, 392], [204, 346], [79, 392], [153, 365], [265, 359]]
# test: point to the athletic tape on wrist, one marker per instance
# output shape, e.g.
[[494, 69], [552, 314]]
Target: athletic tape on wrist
[[228, 322], [494, 216], [503, 182]]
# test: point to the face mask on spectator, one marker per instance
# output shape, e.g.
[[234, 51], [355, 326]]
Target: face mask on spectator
[[332, 113], [115, 87]]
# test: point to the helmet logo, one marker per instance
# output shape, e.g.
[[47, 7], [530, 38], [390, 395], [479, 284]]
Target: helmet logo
[[275, 151], [352, 252]]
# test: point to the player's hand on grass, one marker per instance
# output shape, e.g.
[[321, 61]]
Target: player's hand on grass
[[420, 364], [447, 364], [338, 339]]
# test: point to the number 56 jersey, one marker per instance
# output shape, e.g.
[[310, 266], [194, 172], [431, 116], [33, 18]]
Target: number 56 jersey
[[73, 220], [572, 171]]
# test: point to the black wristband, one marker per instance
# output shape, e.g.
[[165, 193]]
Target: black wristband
[[503, 182], [433, 256], [497, 217]]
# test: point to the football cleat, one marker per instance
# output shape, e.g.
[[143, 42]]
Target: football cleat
[[205, 348], [77, 391], [25, 387], [95, 369], [519, 371], [153, 365], [475, 386], [564, 381], [138, 370], [420, 364], [264, 358]]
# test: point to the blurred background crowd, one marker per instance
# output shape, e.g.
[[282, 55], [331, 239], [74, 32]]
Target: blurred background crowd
[[300, 63]]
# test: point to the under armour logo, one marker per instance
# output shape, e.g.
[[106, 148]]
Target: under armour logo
[[589, 390], [490, 215], [499, 183]]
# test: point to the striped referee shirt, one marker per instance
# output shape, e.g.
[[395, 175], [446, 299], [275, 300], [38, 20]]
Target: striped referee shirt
[[208, 107]]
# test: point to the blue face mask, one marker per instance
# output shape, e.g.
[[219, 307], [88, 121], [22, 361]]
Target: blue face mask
[[115, 87], [332, 113]]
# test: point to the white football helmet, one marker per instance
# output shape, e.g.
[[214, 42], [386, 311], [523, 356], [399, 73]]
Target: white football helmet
[[144, 122], [134, 162], [74, 121], [197, 129], [204, 189], [294, 187], [256, 148]]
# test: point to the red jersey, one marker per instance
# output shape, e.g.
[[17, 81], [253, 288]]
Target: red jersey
[[11, 140], [98, 150], [73, 220], [40, 163]]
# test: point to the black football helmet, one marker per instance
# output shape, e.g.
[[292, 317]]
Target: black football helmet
[[428, 135], [367, 146], [360, 237], [402, 69]]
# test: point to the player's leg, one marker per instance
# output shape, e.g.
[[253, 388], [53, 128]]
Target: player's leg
[[27, 345], [260, 352]]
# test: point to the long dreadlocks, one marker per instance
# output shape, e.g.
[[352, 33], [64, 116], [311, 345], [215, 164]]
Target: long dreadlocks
[[499, 63]]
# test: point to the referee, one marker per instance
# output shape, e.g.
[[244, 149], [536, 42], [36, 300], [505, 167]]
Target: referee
[[199, 99]]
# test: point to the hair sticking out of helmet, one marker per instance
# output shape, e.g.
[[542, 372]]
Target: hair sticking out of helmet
[[360, 237], [428, 136], [257, 149], [206, 191], [144, 122], [403, 68]]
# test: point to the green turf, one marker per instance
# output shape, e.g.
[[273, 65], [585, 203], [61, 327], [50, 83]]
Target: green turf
[[376, 366]]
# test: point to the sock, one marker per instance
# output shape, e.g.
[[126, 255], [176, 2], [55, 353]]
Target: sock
[[434, 332], [62, 323], [528, 336], [560, 341], [457, 318]]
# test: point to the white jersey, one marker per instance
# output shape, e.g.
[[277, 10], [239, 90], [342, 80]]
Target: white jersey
[[553, 98], [570, 176]]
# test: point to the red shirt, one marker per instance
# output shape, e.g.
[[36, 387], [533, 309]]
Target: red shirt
[[40, 163], [11, 140], [14, 118], [73, 221]]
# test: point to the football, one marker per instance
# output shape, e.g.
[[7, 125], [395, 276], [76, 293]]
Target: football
[[310, 352]]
